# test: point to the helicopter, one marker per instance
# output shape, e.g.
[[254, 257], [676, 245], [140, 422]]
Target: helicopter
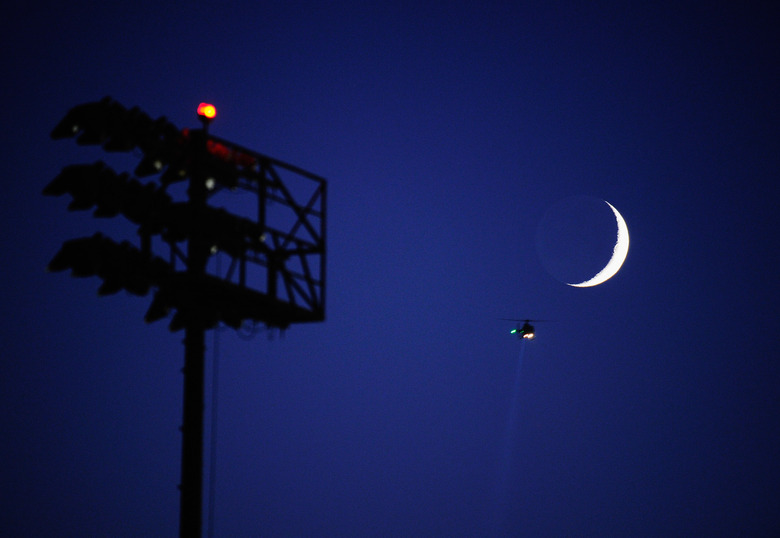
[[526, 331]]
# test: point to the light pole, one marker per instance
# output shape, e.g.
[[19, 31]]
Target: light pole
[[287, 250]]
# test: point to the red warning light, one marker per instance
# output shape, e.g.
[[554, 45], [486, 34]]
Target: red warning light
[[207, 111]]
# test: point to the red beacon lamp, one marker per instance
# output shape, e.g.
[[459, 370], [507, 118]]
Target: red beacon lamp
[[206, 113]]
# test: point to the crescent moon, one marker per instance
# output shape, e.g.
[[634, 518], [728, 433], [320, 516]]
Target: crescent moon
[[619, 253]]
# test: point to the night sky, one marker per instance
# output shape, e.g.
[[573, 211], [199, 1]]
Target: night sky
[[647, 406]]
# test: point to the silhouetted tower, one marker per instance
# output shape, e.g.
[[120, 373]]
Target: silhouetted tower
[[283, 243]]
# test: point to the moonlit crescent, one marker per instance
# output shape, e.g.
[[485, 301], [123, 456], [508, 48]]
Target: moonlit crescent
[[619, 254]]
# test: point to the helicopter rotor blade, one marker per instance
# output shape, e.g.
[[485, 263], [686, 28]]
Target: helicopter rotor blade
[[527, 320]]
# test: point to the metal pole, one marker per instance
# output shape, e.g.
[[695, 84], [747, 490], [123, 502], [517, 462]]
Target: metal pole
[[190, 517], [192, 433]]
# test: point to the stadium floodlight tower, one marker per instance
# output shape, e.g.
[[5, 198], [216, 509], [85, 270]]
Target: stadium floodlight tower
[[276, 274]]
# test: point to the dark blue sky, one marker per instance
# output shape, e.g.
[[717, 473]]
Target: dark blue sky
[[446, 131]]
